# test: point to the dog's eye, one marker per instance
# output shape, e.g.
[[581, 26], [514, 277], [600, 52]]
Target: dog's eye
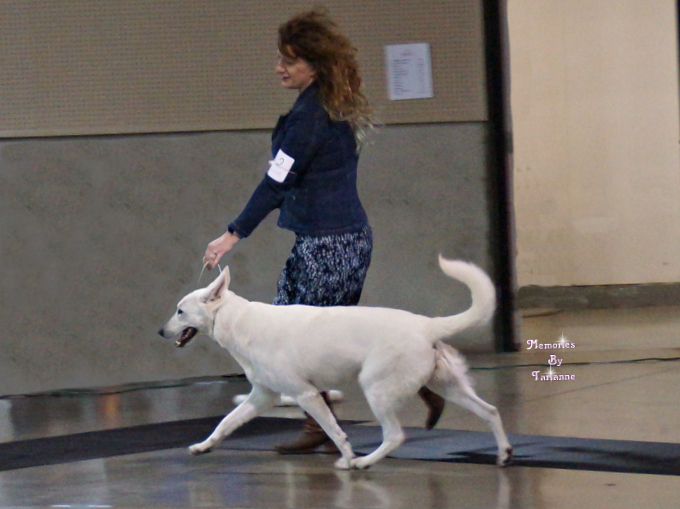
[[179, 311]]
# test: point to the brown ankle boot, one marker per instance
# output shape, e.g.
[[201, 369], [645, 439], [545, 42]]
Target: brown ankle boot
[[311, 436], [435, 406]]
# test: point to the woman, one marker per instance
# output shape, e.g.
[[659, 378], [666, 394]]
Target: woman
[[312, 180]]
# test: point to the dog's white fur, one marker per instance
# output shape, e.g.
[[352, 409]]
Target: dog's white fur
[[302, 350]]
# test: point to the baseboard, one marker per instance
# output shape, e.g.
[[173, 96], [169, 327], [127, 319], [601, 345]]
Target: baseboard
[[598, 297]]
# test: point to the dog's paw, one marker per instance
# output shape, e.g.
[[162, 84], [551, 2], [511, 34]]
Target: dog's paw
[[342, 464], [505, 457], [197, 450], [360, 463]]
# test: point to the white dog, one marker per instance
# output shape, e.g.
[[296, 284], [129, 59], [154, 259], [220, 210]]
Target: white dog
[[302, 350]]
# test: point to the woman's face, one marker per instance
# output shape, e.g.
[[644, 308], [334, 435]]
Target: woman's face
[[295, 73]]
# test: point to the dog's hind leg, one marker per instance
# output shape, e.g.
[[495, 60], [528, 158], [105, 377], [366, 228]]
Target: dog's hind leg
[[313, 403], [467, 398], [259, 399], [450, 380]]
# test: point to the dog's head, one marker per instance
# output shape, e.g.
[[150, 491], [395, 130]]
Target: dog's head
[[196, 312]]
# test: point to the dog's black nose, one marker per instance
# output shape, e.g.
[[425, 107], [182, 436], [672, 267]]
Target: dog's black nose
[[161, 332]]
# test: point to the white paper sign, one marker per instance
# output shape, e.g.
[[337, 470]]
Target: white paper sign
[[280, 166], [409, 71]]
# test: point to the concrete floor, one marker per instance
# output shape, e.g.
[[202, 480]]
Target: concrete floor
[[608, 399]]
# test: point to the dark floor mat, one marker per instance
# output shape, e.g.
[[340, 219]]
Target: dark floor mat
[[263, 433], [132, 440], [529, 450]]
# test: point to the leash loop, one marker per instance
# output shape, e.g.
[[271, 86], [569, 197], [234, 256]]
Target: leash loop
[[201, 274]]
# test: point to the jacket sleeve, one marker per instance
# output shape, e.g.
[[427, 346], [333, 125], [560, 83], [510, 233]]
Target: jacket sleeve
[[268, 195], [301, 139]]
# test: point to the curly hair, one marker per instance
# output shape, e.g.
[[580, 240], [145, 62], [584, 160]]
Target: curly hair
[[316, 39]]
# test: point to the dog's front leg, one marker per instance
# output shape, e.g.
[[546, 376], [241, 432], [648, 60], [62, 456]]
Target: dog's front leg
[[314, 405], [259, 400]]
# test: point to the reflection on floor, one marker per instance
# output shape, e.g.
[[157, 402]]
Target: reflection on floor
[[609, 397]]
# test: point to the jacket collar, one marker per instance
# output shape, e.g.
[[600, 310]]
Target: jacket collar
[[308, 94]]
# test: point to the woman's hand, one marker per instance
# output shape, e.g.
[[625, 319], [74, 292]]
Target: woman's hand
[[218, 248]]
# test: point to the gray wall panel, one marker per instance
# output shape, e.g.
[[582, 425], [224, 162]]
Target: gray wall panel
[[100, 237]]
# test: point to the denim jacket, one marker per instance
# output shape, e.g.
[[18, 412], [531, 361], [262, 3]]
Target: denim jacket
[[318, 196]]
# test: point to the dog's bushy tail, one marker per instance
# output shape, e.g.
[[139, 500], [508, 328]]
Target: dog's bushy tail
[[483, 299]]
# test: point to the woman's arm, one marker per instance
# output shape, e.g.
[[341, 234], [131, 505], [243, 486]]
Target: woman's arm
[[301, 140]]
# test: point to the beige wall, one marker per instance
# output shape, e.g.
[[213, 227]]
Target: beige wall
[[597, 162], [73, 67]]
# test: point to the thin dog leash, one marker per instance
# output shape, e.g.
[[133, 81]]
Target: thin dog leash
[[201, 274]]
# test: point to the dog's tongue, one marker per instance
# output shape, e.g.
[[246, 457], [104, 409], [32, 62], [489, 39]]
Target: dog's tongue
[[187, 336]]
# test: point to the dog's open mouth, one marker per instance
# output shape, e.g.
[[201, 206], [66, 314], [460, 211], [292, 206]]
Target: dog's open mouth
[[187, 336]]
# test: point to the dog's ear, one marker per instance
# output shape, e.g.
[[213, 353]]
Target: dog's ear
[[219, 286]]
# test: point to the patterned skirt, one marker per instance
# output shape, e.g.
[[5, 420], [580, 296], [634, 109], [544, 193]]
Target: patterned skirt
[[326, 271]]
